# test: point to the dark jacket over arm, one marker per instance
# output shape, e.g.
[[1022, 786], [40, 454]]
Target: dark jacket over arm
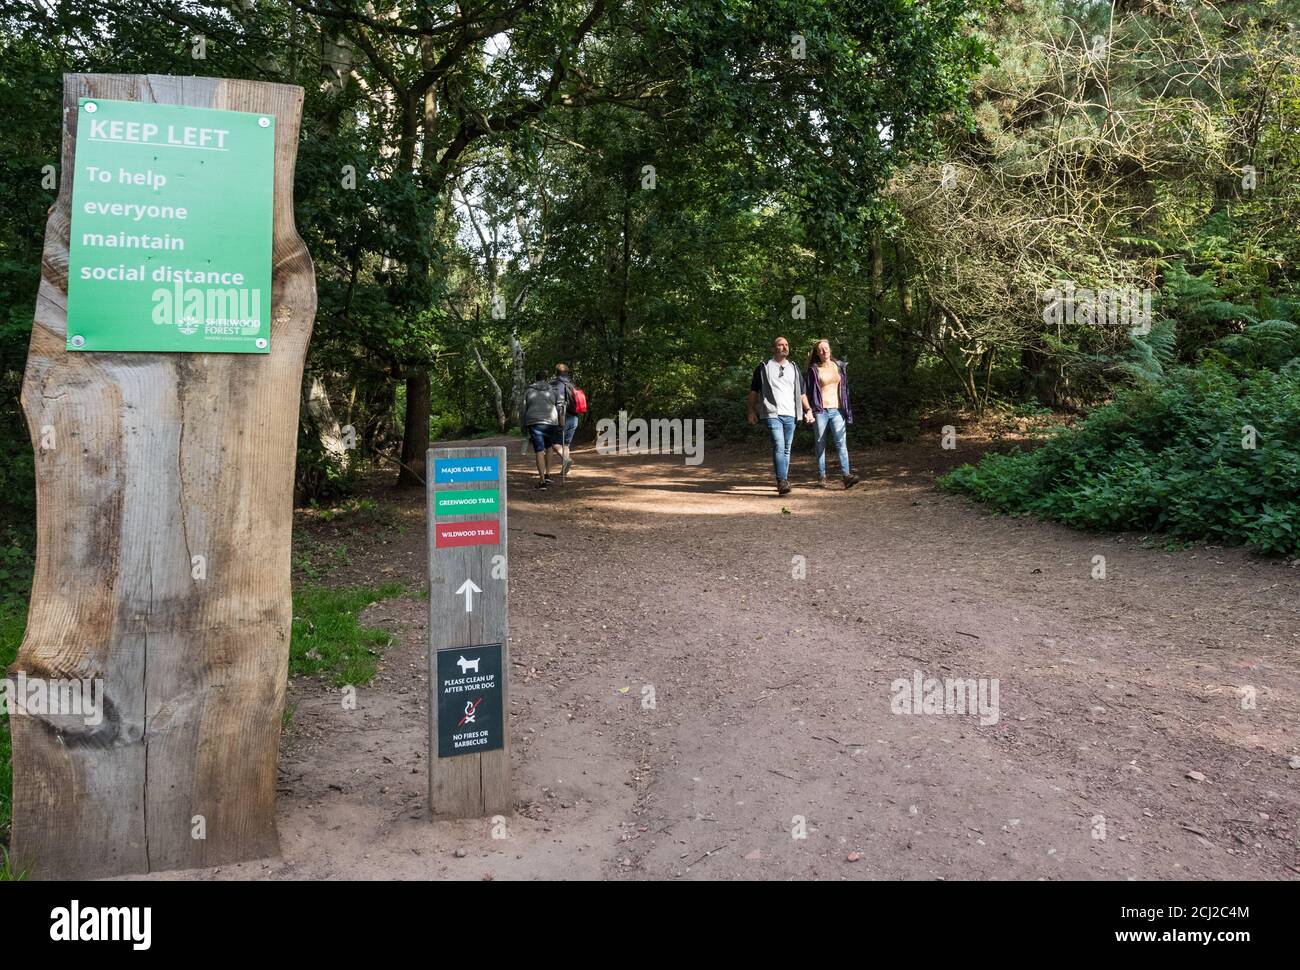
[[761, 386], [815, 391]]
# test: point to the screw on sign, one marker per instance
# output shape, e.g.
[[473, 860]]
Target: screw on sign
[[469, 737]]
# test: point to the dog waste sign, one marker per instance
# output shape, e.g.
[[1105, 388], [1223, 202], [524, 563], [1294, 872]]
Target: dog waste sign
[[469, 654], [470, 717], [170, 244]]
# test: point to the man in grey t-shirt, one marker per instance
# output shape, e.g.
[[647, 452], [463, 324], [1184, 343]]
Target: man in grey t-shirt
[[542, 419], [776, 393]]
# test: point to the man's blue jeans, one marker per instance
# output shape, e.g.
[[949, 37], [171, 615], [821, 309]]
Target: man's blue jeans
[[782, 430], [833, 420]]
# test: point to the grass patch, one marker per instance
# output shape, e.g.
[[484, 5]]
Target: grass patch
[[327, 639], [362, 509], [13, 620], [7, 871]]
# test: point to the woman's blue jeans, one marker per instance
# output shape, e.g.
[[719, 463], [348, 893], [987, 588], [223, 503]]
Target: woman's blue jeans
[[831, 418]]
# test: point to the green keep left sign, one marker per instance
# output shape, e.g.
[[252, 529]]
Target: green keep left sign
[[170, 246]]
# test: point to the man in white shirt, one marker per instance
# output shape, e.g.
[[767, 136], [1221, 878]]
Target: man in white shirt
[[777, 394]]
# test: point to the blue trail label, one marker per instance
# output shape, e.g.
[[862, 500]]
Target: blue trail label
[[449, 471]]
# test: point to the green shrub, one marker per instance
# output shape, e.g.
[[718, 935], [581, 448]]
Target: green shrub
[[1168, 458], [16, 563]]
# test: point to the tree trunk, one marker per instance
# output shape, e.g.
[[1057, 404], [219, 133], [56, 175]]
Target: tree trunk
[[877, 317], [379, 401], [620, 399], [429, 151], [161, 458], [496, 388], [520, 374], [1040, 372], [415, 435], [415, 427], [908, 349], [321, 414]]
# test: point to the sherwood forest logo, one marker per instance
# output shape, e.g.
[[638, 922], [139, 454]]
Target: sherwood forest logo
[[218, 310]]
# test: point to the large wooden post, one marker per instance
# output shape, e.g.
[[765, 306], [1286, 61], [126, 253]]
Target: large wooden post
[[159, 458]]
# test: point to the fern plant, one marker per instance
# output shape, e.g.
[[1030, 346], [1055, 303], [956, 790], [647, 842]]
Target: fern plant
[[1150, 355], [1267, 345]]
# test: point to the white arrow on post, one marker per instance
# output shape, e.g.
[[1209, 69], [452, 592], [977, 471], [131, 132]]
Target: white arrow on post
[[469, 589]]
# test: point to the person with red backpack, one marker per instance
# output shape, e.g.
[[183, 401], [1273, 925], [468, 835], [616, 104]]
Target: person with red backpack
[[574, 406]]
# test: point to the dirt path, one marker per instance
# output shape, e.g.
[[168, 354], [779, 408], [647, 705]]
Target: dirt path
[[772, 695]]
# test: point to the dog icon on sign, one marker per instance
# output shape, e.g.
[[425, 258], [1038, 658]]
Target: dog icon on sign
[[467, 665]]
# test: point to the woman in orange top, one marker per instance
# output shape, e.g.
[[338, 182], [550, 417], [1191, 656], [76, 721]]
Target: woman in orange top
[[827, 381]]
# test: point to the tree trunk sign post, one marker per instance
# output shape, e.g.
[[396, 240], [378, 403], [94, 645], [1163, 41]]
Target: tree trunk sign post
[[469, 656], [161, 392]]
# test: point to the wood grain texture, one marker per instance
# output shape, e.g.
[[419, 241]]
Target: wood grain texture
[[160, 457], [468, 785]]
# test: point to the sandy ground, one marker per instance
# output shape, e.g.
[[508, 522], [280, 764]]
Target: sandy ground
[[1145, 721]]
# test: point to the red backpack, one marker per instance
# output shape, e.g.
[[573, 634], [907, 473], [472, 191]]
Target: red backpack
[[579, 401]]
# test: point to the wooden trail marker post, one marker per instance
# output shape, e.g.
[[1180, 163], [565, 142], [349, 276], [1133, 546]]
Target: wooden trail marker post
[[469, 655], [165, 444]]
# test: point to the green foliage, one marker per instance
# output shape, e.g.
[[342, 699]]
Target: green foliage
[[1168, 458], [1267, 345], [1203, 307], [778, 174], [13, 620], [327, 639], [321, 476], [366, 509], [16, 564], [1150, 355], [7, 871], [30, 97]]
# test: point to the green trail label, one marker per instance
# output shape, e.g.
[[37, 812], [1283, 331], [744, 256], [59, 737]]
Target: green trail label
[[469, 501], [170, 246]]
